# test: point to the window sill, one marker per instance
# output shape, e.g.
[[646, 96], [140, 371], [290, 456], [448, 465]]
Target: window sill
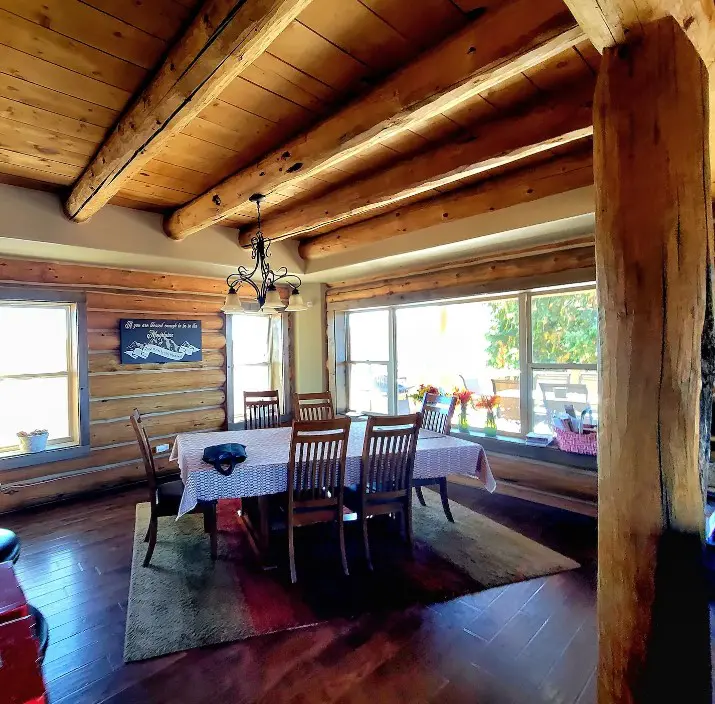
[[520, 448], [30, 459]]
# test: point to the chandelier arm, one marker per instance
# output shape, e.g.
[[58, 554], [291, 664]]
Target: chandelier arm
[[286, 277], [234, 281]]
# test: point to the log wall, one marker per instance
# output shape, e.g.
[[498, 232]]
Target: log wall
[[174, 397]]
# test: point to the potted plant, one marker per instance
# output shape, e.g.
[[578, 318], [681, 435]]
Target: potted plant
[[489, 403], [34, 441]]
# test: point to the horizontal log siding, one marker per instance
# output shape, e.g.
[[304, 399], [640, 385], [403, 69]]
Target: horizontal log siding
[[492, 274], [174, 397]]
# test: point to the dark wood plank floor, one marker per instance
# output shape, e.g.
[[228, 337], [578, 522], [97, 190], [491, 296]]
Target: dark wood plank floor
[[530, 642]]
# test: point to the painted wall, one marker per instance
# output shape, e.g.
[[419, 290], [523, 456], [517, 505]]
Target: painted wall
[[32, 225], [310, 342]]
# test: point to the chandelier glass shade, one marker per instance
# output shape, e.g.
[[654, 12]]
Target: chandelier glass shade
[[262, 279]]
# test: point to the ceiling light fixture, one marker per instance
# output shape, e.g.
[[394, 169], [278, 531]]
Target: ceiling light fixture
[[269, 300]]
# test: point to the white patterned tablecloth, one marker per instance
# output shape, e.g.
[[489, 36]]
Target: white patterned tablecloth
[[266, 469]]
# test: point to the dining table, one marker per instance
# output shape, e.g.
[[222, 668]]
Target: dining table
[[265, 470]]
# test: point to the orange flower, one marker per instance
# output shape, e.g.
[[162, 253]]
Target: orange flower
[[464, 396], [488, 402]]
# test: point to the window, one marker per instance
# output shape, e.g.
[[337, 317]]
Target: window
[[564, 343], [537, 350], [42, 378], [455, 345], [368, 355], [256, 358]]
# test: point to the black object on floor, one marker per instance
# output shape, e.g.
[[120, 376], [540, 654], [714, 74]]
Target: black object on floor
[[42, 631], [9, 546]]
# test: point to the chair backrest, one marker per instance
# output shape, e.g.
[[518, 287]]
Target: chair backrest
[[261, 409], [147, 454], [437, 412], [316, 465], [316, 406], [564, 391], [499, 385], [388, 455]]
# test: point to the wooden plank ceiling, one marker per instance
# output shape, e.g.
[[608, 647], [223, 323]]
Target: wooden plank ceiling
[[69, 68]]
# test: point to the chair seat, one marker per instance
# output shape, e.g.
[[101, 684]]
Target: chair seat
[[170, 491], [353, 497], [9, 546]]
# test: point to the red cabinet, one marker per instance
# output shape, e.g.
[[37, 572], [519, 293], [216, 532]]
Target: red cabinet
[[20, 672]]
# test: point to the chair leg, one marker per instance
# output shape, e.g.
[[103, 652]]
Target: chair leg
[[153, 525], [445, 499], [291, 553], [148, 531], [210, 526], [368, 557], [341, 539], [418, 491], [407, 513]]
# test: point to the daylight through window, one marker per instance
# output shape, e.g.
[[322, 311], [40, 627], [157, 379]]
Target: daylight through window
[[39, 378], [256, 358], [536, 350]]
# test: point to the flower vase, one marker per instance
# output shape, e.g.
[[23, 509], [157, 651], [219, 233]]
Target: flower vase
[[463, 423], [490, 427]]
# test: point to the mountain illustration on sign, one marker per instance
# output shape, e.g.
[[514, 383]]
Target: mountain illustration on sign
[[162, 345]]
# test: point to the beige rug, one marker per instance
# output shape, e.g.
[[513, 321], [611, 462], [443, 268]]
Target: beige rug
[[184, 600]]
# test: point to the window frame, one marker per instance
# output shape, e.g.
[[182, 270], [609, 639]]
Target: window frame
[[286, 405], [527, 367], [78, 373]]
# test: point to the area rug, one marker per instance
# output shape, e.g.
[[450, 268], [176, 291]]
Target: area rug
[[184, 600]]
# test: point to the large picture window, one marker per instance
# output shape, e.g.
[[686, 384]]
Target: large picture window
[[256, 360], [42, 381], [536, 350], [453, 345]]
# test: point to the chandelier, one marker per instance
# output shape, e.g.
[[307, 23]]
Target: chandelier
[[269, 300]]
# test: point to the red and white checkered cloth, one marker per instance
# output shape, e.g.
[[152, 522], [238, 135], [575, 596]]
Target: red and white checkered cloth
[[266, 469]]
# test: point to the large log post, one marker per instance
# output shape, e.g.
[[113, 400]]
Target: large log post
[[653, 250]]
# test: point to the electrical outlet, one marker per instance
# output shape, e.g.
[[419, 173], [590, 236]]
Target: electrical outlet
[[161, 448]]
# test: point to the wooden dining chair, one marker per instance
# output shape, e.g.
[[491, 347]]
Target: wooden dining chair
[[316, 406], [261, 410], [437, 413], [316, 478], [165, 497], [388, 457]]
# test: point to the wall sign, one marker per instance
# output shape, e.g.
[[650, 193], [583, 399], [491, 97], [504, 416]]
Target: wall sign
[[143, 341]]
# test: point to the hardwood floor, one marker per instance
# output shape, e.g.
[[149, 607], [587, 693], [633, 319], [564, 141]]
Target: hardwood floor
[[529, 642]]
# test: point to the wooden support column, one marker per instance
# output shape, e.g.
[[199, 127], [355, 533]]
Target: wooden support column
[[653, 250]]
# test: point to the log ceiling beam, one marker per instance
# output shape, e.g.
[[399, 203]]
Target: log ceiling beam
[[536, 127], [225, 38], [612, 22], [506, 40], [550, 178]]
